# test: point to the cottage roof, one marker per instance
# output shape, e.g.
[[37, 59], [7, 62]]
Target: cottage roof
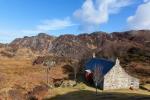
[[105, 65]]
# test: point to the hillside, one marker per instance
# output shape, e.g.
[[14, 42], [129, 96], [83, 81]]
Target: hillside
[[132, 47]]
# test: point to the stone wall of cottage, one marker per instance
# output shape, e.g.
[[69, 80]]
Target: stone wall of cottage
[[117, 78]]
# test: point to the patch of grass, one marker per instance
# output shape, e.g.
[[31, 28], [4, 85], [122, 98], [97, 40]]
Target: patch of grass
[[21, 72], [145, 87]]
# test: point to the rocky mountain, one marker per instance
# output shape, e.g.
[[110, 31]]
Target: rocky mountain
[[106, 45], [40, 43], [70, 46], [131, 47]]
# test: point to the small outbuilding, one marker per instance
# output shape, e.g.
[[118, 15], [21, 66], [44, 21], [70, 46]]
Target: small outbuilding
[[114, 76]]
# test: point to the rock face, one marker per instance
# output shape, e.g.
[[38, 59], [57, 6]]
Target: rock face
[[41, 42], [69, 46]]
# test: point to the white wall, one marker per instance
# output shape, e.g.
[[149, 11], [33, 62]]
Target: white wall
[[117, 78]]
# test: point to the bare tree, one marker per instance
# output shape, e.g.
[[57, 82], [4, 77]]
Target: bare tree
[[74, 64], [49, 64], [97, 76], [75, 68]]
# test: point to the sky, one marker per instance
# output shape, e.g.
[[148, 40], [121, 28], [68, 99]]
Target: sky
[[19, 18]]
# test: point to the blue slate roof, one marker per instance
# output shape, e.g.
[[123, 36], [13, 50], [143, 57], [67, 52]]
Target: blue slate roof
[[105, 65]]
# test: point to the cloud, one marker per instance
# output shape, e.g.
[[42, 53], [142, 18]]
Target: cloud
[[96, 12], [141, 19], [44, 26], [55, 24], [146, 0], [6, 36], [50, 25]]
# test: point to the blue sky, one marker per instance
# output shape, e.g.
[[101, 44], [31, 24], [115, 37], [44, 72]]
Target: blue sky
[[19, 18]]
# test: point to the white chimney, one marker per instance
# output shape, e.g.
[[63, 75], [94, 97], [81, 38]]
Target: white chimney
[[94, 55], [117, 62]]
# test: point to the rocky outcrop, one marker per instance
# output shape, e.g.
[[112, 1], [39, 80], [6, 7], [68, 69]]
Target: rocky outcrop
[[69, 46], [41, 42]]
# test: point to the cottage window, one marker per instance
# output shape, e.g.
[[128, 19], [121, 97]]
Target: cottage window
[[132, 83]]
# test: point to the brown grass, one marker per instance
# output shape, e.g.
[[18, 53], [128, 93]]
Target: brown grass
[[20, 72], [17, 71]]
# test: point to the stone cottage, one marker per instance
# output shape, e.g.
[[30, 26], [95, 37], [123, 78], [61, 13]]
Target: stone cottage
[[114, 76]]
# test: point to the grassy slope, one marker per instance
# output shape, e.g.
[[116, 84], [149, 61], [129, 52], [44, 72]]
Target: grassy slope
[[19, 72]]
